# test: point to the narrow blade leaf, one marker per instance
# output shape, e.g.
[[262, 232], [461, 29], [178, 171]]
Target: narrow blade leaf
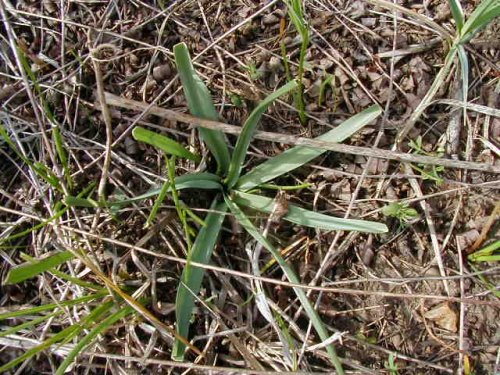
[[19, 311], [163, 143], [299, 155], [308, 218], [248, 131], [29, 324], [31, 269], [291, 276], [201, 105], [484, 13], [192, 277], [203, 180], [458, 13]]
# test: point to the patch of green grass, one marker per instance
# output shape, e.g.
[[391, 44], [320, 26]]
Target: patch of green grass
[[400, 211], [428, 172], [100, 318], [391, 365], [253, 72]]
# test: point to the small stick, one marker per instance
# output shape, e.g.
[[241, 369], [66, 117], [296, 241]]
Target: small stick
[[300, 141], [107, 119], [431, 228]]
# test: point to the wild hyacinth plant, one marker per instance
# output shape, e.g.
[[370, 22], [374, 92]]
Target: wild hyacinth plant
[[233, 194]]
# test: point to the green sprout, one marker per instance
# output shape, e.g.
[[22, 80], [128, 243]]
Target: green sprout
[[428, 172], [400, 211]]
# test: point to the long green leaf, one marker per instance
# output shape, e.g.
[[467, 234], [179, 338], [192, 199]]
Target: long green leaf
[[163, 143], [20, 311], [201, 105], [31, 269], [65, 276], [458, 14], [192, 277], [29, 323], [308, 218], [291, 276], [299, 155], [90, 337], [241, 148], [480, 18], [203, 180]]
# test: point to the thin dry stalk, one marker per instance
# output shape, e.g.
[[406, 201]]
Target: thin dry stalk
[[431, 227], [107, 118], [249, 276], [299, 141]]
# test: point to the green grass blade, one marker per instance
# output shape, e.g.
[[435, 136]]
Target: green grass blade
[[31, 269], [42, 224], [191, 278], [291, 276], [458, 14], [72, 201], [488, 258], [65, 276], [241, 148], [203, 180], [480, 18], [296, 14], [29, 324], [167, 145], [91, 336], [41, 170], [62, 154], [308, 218], [181, 212], [299, 155], [201, 105], [19, 311], [65, 335], [156, 206], [485, 252]]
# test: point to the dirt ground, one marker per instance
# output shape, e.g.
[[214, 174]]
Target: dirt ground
[[404, 302]]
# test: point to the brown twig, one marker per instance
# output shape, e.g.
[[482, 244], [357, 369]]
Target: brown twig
[[299, 141], [491, 220], [250, 276], [107, 119]]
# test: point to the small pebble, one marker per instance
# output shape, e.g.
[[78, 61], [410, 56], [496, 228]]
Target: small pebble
[[161, 72], [270, 19]]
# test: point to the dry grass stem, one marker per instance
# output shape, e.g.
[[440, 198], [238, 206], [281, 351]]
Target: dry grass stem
[[299, 141]]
